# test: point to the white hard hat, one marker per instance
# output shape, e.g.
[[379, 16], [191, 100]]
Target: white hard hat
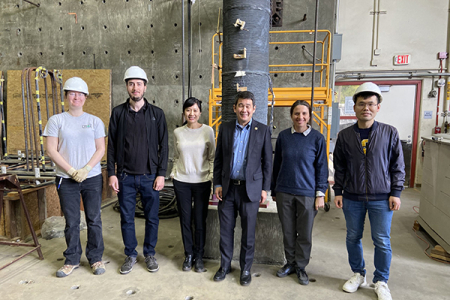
[[76, 84], [368, 87], [135, 72]]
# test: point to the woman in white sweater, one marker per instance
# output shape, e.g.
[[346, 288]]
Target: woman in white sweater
[[194, 150]]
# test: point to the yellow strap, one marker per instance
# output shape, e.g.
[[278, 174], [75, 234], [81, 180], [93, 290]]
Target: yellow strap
[[62, 103], [6, 154], [37, 100], [3, 121], [37, 92], [1, 102], [40, 123], [4, 138]]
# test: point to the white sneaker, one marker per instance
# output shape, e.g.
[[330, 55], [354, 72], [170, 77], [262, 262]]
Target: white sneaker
[[382, 291], [354, 283]]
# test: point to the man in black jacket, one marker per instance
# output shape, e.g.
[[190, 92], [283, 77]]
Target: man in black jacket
[[137, 162], [369, 177], [242, 173]]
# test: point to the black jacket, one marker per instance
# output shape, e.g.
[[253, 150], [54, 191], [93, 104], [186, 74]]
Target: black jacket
[[374, 176], [157, 139], [259, 159]]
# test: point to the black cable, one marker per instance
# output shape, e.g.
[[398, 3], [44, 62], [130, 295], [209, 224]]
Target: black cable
[[167, 204]]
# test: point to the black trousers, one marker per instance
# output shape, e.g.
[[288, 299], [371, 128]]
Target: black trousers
[[296, 215], [236, 201], [69, 192], [199, 193]]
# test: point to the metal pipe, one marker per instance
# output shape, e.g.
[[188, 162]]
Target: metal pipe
[[336, 26], [189, 48], [428, 71], [24, 107], [380, 76], [447, 96], [5, 151], [333, 63], [60, 80], [54, 93], [40, 73], [33, 119], [46, 97], [182, 49], [30, 134], [30, 173], [316, 24], [374, 32]]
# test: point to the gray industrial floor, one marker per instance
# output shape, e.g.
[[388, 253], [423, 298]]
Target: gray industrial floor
[[413, 274]]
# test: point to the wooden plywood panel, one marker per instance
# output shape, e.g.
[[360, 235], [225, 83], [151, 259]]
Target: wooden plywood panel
[[52, 203], [97, 103], [2, 221]]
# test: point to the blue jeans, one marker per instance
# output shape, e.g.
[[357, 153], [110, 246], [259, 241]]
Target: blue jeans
[[129, 186], [380, 217], [69, 192]]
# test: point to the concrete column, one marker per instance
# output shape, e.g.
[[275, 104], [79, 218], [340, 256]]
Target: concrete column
[[254, 37]]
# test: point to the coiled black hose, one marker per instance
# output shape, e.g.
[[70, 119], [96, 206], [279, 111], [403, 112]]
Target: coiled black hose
[[167, 204]]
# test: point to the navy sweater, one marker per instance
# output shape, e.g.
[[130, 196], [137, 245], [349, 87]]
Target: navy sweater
[[300, 165]]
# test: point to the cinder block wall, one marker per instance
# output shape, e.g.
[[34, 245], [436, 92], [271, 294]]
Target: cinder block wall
[[116, 34]]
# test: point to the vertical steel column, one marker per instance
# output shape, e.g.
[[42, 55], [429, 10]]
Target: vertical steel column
[[316, 24], [182, 51], [40, 72], [5, 152], [254, 37], [189, 48]]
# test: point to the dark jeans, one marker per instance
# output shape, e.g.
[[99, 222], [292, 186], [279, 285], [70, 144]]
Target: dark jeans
[[69, 192], [198, 193], [296, 215], [129, 186], [236, 201]]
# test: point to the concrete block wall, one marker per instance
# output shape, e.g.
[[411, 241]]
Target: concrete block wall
[[107, 34]]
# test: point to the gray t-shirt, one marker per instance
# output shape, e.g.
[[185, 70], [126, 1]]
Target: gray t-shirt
[[76, 139]]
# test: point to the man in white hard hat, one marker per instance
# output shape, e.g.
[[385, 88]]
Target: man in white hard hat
[[369, 177], [137, 163]]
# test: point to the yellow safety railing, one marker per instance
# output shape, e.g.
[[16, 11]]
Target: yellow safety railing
[[284, 96]]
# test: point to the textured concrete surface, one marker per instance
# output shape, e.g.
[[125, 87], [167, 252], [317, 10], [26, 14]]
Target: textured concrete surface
[[115, 35], [413, 275]]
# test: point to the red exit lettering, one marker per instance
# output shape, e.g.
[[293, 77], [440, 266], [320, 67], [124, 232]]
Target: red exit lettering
[[402, 59]]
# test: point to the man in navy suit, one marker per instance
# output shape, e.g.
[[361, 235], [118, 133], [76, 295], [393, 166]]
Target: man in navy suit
[[242, 171]]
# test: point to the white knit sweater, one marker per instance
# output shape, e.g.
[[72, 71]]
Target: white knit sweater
[[194, 151]]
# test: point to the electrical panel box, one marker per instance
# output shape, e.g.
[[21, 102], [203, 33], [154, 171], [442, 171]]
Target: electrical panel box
[[336, 51], [335, 119], [442, 55]]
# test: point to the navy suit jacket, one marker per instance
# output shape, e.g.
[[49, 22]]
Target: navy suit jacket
[[259, 159]]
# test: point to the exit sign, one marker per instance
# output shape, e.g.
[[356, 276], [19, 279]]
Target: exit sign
[[403, 59]]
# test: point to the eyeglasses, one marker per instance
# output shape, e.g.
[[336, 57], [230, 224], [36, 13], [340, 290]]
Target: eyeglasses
[[73, 94], [363, 105]]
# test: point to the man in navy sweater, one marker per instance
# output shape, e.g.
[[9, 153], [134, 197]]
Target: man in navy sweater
[[369, 177]]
